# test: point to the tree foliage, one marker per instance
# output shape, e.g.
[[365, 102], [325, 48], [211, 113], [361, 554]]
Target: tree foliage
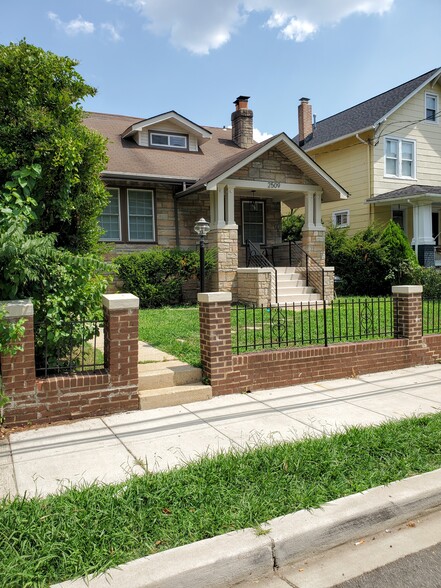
[[292, 226], [41, 123]]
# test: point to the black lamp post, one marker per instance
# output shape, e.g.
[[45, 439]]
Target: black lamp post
[[202, 228]]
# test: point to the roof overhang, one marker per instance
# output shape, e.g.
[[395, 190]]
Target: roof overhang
[[113, 175], [338, 139], [413, 199], [185, 124]]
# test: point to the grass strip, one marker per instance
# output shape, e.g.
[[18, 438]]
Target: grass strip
[[88, 530]]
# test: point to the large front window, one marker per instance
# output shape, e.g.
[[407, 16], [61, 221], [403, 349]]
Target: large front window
[[140, 215], [253, 221], [399, 158]]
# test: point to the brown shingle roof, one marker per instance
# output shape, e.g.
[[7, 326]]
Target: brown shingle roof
[[126, 157], [406, 192]]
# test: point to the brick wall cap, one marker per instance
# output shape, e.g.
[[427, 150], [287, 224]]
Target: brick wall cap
[[407, 289], [215, 297], [120, 301], [18, 308]]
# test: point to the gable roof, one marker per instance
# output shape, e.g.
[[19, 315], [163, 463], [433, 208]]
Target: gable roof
[[331, 189], [181, 121], [127, 159], [366, 115]]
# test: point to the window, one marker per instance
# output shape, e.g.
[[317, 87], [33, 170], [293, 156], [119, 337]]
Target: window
[[140, 215], [340, 218], [399, 217], [399, 158], [110, 217], [253, 221], [168, 140], [431, 107]]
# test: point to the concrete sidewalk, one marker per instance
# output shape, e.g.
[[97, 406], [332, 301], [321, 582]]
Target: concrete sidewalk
[[108, 449]]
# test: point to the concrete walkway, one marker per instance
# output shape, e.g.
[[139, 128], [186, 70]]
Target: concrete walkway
[[108, 449]]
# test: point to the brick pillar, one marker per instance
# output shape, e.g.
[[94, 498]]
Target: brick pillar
[[224, 242], [121, 338], [18, 371], [408, 313], [215, 329]]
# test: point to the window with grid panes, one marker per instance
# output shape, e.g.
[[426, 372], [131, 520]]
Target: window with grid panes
[[253, 221], [109, 219], [140, 207]]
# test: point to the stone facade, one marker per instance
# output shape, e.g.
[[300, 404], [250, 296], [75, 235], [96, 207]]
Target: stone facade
[[272, 166], [256, 286], [313, 243], [224, 243]]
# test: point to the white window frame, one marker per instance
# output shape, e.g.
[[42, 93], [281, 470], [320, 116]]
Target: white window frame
[[400, 142], [151, 192], [169, 136], [426, 119], [118, 194], [336, 214], [261, 204]]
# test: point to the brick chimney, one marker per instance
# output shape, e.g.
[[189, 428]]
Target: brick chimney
[[305, 120], [242, 123]]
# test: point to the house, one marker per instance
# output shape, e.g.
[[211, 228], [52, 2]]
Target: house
[[166, 172], [386, 152]]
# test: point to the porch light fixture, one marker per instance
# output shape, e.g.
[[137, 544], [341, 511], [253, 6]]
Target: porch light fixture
[[253, 203], [202, 228]]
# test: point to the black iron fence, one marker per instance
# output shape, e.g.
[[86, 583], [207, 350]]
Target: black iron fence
[[74, 347], [312, 323], [431, 316]]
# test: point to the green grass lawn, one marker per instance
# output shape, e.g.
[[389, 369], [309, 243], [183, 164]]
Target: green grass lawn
[[81, 531]]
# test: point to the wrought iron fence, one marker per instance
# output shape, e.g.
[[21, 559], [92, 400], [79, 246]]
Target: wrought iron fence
[[431, 316], [74, 347], [312, 323]]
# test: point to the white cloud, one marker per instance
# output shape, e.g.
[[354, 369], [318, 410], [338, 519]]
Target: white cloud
[[73, 27], [203, 25], [112, 30], [260, 136]]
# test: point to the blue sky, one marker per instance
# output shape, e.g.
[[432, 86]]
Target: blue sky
[[146, 57]]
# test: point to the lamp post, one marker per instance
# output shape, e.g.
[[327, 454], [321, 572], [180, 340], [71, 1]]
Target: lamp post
[[202, 228]]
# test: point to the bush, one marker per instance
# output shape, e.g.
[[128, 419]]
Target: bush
[[156, 276], [430, 279], [292, 226], [371, 261]]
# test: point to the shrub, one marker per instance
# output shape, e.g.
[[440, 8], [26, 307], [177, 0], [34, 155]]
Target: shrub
[[156, 276], [430, 279], [292, 226]]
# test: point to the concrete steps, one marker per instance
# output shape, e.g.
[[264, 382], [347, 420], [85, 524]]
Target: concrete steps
[[169, 383], [291, 287]]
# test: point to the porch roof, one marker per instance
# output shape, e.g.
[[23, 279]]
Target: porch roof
[[410, 192], [219, 173]]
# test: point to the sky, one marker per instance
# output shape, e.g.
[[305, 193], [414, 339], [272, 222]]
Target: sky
[[146, 57]]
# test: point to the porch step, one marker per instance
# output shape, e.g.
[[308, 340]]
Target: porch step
[[170, 383], [173, 395], [291, 287], [287, 298]]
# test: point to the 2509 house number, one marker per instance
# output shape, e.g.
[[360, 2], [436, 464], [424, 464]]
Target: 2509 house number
[[273, 185]]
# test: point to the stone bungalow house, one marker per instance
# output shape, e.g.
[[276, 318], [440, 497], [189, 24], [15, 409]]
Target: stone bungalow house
[[166, 172], [386, 151]]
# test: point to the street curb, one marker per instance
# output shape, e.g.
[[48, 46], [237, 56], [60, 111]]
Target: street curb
[[243, 555]]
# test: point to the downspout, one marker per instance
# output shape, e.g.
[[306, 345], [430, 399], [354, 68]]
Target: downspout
[[369, 170], [175, 205]]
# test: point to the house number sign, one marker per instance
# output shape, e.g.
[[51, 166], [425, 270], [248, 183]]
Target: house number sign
[[273, 184]]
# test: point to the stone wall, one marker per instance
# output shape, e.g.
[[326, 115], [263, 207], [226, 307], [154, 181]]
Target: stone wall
[[256, 285]]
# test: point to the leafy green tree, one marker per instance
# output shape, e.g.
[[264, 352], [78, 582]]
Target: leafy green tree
[[292, 226], [41, 123]]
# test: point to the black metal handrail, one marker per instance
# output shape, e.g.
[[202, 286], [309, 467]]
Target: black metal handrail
[[256, 258], [310, 264]]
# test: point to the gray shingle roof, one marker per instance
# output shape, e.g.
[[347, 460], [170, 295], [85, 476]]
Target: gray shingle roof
[[363, 115], [407, 192]]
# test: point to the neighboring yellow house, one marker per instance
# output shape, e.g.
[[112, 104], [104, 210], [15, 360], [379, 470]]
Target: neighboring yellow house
[[386, 152]]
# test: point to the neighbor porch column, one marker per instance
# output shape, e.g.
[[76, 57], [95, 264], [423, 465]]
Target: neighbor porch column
[[313, 231], [422, 235], [223, 238]]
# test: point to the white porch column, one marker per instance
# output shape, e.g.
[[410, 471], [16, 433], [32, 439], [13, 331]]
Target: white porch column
[[309, 211], [317, 208], [313, 241], [422, 240], [220, 206], [230, 208]]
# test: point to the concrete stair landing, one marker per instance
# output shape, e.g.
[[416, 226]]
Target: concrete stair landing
[[292, 287], [169, 383]]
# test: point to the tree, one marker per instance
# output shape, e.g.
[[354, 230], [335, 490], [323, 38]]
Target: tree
[[41, 123], [292, 226]]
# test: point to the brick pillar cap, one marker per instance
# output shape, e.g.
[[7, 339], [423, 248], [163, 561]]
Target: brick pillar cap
[[120, 301], [215, 297], [407, 289], [18, 308]]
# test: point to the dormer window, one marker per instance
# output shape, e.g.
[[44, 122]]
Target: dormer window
[[168, 140]]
